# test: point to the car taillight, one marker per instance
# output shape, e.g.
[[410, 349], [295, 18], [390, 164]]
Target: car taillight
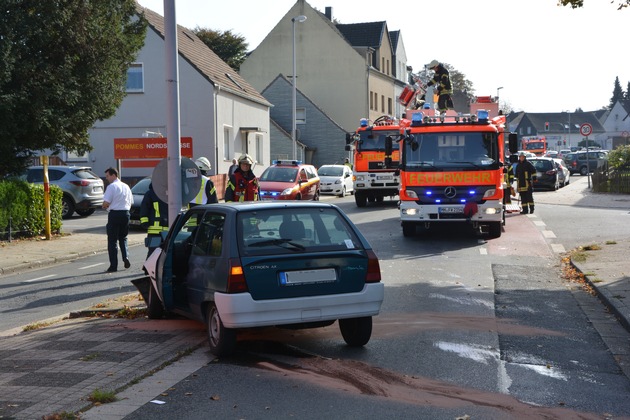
[[236, 279], [374, 269], [80, 183]]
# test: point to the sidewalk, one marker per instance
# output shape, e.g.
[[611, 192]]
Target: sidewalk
[[56, 368]]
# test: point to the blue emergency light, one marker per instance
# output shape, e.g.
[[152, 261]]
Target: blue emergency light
[[417, 117], [363, 122], [482, 114]]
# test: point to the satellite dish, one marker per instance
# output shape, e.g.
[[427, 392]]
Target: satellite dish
[[191, 180]]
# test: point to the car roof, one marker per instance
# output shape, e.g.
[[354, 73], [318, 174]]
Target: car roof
[[61, 167], [265, 205], [289, 163]]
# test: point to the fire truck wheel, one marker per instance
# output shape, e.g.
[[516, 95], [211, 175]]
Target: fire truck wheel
[[495, 230], [409, 229], [360, 199]]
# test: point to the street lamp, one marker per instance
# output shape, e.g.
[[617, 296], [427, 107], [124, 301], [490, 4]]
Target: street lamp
[[498, 89], [300, 19]]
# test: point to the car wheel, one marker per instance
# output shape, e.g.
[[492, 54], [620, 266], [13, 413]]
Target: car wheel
[[409, 229], [155, 310], [356, 332], [583, 171], [67, 207], [343, 192], [360, 199], [222, 340], [86, 213], [316, 196]]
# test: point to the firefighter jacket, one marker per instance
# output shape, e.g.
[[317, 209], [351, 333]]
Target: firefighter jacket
[[525, 173], [207, 192], [442, 79], [153, 213], [242, 187]]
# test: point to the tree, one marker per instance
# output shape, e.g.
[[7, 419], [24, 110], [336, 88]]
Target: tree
[[63, 66], [576, 4], [229, 47], [617, 94], [626, 98]]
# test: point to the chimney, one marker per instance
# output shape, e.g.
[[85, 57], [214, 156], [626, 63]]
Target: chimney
[[329, 13]]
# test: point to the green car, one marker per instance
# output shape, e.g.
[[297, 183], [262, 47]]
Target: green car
[[240, 265]]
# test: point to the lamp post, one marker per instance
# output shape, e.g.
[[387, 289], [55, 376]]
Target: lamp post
[[498, 89], [300, 19]]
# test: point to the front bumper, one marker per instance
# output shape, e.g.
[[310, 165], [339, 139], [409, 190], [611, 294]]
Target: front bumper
[[488, 212]]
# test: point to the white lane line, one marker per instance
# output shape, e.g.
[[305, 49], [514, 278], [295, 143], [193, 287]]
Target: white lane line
[[483, 251], [90, 266], [558, 248], [39, 278], [548, 234], [539, 223]]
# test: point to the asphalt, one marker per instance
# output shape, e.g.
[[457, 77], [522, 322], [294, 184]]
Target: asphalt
[[58, 368]]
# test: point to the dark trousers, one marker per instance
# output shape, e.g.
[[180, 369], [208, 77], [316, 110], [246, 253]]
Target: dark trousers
[[527, 200], [445, 102], [117, 231]]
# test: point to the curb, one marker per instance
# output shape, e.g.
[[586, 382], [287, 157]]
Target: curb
[[604, 295]]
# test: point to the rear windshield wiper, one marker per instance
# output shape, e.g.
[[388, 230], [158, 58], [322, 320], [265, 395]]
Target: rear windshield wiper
[[280, 242]]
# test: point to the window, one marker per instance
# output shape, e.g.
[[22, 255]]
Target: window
[[259, 148], [209, 238], [371, 100], [300, 115], [383, 103], [227, 135], [135, 78], [389, 106]]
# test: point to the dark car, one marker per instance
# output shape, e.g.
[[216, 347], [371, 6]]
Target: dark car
[[546, 173], [138, 191], [578, 162], [82, 189], [261, 264], [289, 180]]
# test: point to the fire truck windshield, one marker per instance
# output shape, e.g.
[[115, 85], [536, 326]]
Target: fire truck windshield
[[375, 140], [451, 151]]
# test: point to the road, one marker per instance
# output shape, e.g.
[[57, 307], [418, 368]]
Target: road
[[468, 327]]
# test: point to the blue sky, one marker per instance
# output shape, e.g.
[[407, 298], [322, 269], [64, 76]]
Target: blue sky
[[545, 57]]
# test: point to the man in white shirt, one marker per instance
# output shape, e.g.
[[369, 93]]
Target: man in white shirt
[[117, 201]]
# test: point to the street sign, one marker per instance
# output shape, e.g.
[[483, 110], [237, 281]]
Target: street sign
[[586, 129]]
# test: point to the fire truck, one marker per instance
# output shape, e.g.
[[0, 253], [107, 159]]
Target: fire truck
[[452, 170], [375, 168], [536, 145]]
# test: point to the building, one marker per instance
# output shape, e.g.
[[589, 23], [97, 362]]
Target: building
[[222, 113]]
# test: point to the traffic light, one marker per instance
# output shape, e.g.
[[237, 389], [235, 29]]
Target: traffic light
[[564, 142], [546, 126]]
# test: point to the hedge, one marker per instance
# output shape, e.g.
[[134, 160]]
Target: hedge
[[22, 207]]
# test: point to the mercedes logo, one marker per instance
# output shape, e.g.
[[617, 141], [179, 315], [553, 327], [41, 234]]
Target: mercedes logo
[[450, 192]]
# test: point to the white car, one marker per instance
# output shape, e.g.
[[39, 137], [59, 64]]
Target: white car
[[564, 175], [336, 179]]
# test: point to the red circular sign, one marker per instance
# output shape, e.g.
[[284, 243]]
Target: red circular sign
[[586, 129]]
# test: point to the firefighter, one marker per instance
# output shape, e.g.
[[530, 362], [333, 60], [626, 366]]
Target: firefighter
[[243, 184], [525, 174], [442, 79], [154, 218], [348, 164], [207, 192]]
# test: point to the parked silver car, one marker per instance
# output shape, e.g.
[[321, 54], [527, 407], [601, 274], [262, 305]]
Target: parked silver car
[[82, 189]]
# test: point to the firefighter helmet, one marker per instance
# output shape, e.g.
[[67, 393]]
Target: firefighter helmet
[[203, 163], [245, 159], [433, 63]]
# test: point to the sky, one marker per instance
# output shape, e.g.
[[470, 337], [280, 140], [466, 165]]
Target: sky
[[537, 56]]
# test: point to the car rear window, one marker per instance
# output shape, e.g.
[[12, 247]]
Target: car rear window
[[542, 165], [330, 171], [294, 230], [85, 174]]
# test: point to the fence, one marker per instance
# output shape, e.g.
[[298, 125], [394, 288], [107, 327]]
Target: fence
[[612, 180]]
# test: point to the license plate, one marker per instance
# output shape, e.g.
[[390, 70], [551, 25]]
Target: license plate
[[384, 177], [451, 210], [326, 275]]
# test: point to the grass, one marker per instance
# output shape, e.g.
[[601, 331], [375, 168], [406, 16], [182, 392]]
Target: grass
[[37, 326], [64, 415], [102, 397]]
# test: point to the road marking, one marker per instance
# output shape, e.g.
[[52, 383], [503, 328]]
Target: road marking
[[548, 234], [90, 266], [539, 223], [39, 278], [483, 251], [559, 248]]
